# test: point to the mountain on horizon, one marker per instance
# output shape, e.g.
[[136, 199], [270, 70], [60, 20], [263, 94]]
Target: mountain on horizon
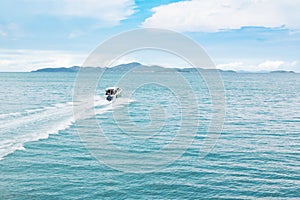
[[59, 69], [138, 67]]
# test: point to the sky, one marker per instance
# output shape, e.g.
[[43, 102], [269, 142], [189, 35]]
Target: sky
[[243, 35]]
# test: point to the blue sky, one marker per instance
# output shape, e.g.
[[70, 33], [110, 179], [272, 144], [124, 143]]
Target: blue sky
[[253, 35]]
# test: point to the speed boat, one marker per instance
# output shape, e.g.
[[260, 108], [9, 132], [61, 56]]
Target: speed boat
[[111, 93]]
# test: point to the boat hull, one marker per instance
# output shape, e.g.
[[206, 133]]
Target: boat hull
[[112, 93]]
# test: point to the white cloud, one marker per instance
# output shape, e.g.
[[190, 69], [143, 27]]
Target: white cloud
[[3, 33], [272, 65], [23, 60], [230, 66], [152, 57], [268, 65], [112, 11], [75, 34], [27, 60], [216, 15], [10, 29]]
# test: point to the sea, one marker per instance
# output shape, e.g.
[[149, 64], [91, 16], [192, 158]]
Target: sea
[[46, 151]]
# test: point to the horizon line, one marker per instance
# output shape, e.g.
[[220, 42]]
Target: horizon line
[[162, 66]]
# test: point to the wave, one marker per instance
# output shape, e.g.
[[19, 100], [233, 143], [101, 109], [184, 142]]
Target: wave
[[17, 114], [32, 125], [101, 105], [19, 128], [6, 115]]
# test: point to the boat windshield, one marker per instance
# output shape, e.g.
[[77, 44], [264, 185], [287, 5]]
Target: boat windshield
[[110, 92]]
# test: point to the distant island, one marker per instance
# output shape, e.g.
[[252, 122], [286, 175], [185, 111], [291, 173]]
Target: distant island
[[129, 66], [135, 66], [60, 69], [282, 71]]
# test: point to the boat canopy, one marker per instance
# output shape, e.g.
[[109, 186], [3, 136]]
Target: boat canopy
[[111, 90]]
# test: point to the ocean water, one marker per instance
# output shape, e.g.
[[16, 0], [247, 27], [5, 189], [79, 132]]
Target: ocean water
[[42, 155]]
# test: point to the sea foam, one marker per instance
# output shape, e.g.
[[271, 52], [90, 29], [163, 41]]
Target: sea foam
[[33, 125], [18, 128]]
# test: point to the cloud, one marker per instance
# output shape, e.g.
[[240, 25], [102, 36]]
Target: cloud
[[26, 60], [268, 65], [3, 33], [272, 65], [76, 34], [23, 60], [110, 12], [230, 66], [152, 57], [216, 15], [10, 29]]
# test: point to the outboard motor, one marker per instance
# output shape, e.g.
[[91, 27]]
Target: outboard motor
[[109, 98]]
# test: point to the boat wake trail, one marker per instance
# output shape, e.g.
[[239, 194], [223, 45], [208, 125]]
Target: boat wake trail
[[18, 128]]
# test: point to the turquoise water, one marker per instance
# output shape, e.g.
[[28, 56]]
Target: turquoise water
[[257, 155]]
